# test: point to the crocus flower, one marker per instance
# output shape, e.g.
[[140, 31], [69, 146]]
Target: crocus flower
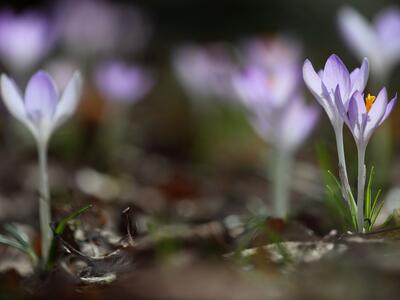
[[271, 52], [335, 76], [205, 71], [326, 86], [279, 112], [281, 117], [379, 40], [41, 109], [363, 115], [24, 39], [122, 82], [92, 27]]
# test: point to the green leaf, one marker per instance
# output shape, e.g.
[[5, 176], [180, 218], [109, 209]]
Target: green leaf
[[59, 229], [367, 205], [18, 239], [63, 222]]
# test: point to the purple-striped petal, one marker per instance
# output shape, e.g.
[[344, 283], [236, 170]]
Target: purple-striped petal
[[336, 73]]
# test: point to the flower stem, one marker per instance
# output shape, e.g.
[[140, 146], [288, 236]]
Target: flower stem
[[342, 164], [281, 182], [361, 187], [44, 202]]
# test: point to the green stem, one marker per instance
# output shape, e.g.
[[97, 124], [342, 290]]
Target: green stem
[[281, 182], [44, 202], [361, 187]]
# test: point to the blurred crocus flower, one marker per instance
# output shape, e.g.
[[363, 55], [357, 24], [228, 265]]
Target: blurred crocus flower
[[91, 27], [41, 109], [24, 39], [379, 41], [281, 117], [279, 113], [205, 71], [272, 52], [123, 82]]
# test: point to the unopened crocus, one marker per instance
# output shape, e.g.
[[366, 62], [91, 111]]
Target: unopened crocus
[[323, 85], [122, 82], [205, 71], [42, 110], [24, 39], [363, 115], [281, 117], [379, 40]]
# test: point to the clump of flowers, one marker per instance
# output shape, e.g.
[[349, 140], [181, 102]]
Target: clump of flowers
[[42, 109], [341, 94]]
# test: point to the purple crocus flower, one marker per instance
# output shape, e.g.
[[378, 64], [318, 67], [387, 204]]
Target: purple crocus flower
[[379, 40], [279, 113], [326, 86], [122, 82], [363, 116], [90, 27], [280, 116], [205, 71], [288, 128], [272, 52], [335, 76], [24, 39], [41, 109]]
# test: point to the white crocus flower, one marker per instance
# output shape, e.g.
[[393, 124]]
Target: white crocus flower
[[42, 110]]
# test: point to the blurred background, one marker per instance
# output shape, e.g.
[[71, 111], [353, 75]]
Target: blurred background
[[160, 125]]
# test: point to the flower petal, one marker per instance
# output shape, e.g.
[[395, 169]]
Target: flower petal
[[359, 35], [69, 100], [13, 101], [297, 123], [376, 113], [311, 78], [359, 77], [389, 109], [356, 114], [41, 97], [339, 103], [336, 73]]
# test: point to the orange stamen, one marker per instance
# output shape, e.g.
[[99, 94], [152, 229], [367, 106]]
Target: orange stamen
[[369, 100]]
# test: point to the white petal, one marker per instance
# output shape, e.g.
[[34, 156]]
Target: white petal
[[69, 100], [13, 101]]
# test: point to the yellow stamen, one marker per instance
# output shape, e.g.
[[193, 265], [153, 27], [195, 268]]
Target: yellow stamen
[[369, 100]]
